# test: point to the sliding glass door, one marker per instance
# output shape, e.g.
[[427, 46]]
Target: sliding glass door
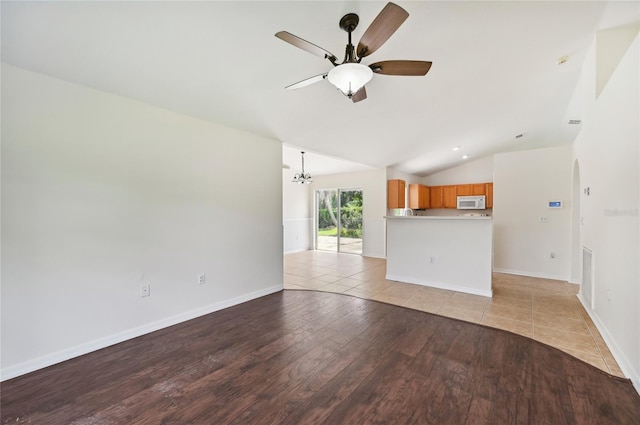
[[339, 220]]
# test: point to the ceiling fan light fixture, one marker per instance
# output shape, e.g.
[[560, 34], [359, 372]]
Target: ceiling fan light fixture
[[350, 77]]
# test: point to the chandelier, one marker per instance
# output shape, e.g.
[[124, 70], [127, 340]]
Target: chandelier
[[302, 178]]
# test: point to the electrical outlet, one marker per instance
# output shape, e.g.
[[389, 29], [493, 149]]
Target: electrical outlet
[[202, 278], [544, 219], [145, 290]]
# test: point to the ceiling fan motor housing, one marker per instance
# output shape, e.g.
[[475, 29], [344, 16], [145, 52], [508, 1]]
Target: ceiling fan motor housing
[[349, 22]]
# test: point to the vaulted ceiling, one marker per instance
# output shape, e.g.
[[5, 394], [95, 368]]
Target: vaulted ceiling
[[495, 72]]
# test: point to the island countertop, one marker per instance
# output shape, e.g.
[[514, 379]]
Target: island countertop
[[437, 217]]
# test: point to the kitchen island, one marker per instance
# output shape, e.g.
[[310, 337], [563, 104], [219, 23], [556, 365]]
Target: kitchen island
[[452, 252]]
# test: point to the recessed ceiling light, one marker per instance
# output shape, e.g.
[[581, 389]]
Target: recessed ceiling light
[[457, 148], [465, 156]]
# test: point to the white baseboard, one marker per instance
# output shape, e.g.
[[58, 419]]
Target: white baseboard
[[441, 285], [293, 251], [79, 350], [530, 274], [623, 362]]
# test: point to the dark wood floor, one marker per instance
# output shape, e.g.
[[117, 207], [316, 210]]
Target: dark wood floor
[[302, 357]]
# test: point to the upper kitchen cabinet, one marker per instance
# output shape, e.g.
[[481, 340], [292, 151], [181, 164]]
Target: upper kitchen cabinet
[[478, 189], [464, 189], [475, 189], [395, 194], [488, 187], [449, 197], [418, 197], [435, 197]]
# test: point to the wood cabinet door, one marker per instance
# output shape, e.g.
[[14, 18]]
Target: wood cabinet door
[[449, 197], [395, 194], [425, 197], [464, 190], [489, 195], [478, 189], [435, 195], [414, 196], [418, 197]]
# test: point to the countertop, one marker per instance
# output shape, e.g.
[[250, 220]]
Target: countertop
[[433, 217]]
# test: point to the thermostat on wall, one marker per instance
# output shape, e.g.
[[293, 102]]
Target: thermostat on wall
[[555, 204]]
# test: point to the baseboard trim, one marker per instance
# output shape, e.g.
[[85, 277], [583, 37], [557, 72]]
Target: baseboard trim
[[530, 274], [623, 362], [79, 350], [441, 285], [293, 251]]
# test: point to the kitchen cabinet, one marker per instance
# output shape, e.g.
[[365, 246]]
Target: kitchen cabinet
[[395, 193], [488, 187], [435, 197], [449, 197], [418, 197], [478, 189], [464, 190], [475, 189]]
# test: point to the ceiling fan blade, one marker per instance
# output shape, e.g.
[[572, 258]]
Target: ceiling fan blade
[[401, 67], [385, 24], [305, 45], [306, 82], [360, 95]]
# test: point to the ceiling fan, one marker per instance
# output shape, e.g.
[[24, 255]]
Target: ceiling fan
[[350, 76]]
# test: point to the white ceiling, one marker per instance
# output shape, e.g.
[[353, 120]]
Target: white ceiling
[[494, 73]]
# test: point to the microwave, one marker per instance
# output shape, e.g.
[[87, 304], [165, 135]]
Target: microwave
[[471, 202]]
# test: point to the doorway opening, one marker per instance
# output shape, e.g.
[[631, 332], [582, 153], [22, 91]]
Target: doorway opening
[[339, 220]]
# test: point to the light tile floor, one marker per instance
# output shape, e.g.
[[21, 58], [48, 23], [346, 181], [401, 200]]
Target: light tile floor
[[542, 309]]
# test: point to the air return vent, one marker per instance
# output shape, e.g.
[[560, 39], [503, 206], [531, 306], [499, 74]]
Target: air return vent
[[587, 276]]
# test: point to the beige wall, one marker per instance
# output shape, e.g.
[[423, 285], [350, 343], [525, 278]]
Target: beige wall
[[101, 194], [526, 230], [608, 153]]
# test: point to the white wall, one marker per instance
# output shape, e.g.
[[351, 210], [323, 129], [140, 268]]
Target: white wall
[[101, 194], [476, 171], [451, 253], [297, 218], [524, 183], [608, 153], [393, 173], [374, 204]]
